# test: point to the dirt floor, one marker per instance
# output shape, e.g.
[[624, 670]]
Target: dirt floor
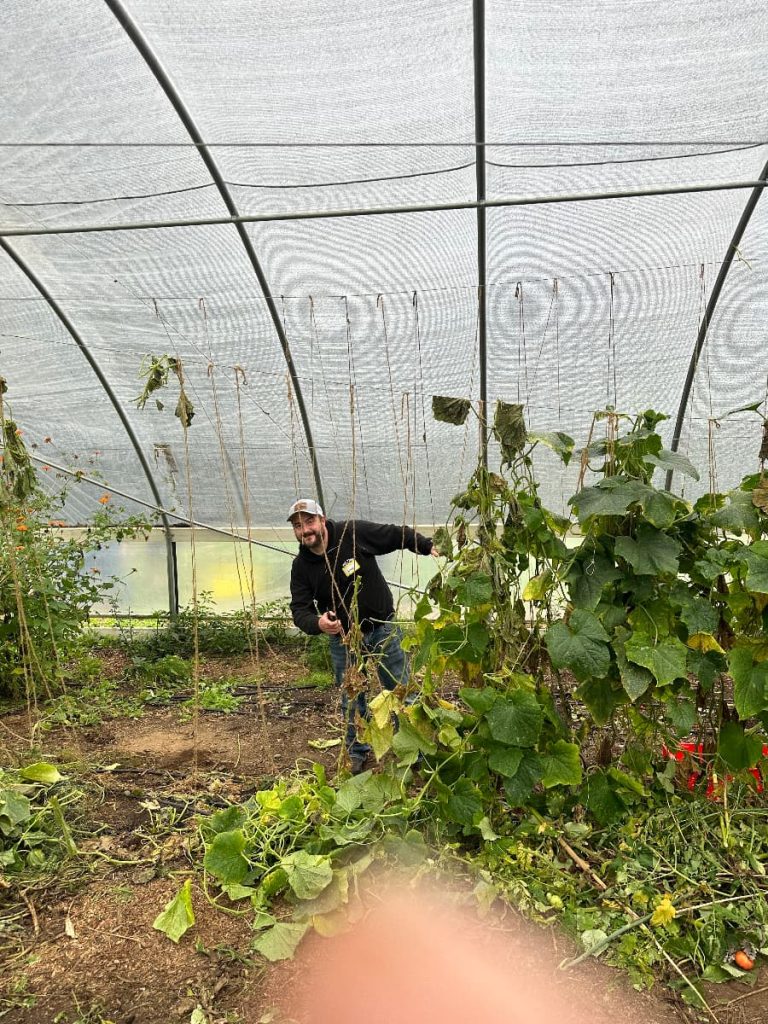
[[83, 950]]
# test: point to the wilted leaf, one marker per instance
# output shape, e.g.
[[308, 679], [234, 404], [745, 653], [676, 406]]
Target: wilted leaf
[[323, 744], [280, 941], [450, 410], [509, 428], [178, 916], [561, 444]]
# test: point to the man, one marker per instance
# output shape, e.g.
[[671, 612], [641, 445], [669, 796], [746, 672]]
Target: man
[[336, 581]]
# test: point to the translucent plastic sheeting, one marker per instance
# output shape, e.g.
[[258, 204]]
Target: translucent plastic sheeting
[[228, 578], [331, 106]]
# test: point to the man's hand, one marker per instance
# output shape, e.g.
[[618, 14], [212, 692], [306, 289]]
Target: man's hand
[[434, 552], [329, 624]]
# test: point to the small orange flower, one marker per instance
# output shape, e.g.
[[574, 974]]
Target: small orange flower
[[56, 522], [22, 527], [19, 433], [105, 499]]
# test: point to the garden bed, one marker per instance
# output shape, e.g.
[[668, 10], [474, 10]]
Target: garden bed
[[79, 946]]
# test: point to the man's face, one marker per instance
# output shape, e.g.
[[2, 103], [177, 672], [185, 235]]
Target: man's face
[[310, 531]]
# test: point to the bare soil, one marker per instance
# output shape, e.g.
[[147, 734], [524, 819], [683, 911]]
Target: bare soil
[[82, 949]]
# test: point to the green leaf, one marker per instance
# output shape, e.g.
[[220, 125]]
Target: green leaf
[[227, 819], [681, 714], [450, 410], [178, 916], [519, 789], [652, 553], [581, 645], [474, 590], [408, 743], [42, 772], [280, 941], [15, 807], [634, 678], [750, 690], [611, 497], [666, 459], [561, 765], [509, 428], [558, 442], [736, 748], [516, 720], [505, 760], [464, 803], [602, 800], [756, 557], [587, 579], [224, 857], [660, 509], [739, 515], [479, 700], [308, 873], [601, 699], [697, 614], [666, 660]]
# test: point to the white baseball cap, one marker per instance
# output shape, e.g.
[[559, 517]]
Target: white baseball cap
[[307, 505]]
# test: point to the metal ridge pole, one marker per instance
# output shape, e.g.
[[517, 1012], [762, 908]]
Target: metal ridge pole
[[382, 211], [701, 338], [173, 589], [165, 82], [478, 31]]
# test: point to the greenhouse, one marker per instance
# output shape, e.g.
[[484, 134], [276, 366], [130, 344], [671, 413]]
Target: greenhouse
[[438, 328]]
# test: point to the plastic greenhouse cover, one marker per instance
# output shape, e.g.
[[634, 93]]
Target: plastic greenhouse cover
[[319, 106]]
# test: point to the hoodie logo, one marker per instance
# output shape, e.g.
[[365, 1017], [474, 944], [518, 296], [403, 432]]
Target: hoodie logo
[[350, 567]]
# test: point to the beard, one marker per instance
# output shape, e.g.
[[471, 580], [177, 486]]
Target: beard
[[313, 539]]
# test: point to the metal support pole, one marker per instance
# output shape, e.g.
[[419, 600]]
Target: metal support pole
[[386, 211], [165, 82], [478, 28], [173, 603], [725, 266]]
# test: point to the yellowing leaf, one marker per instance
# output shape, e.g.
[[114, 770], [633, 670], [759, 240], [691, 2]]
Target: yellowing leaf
[[537, 586], [664, 912], [704, 642], [383, 706]]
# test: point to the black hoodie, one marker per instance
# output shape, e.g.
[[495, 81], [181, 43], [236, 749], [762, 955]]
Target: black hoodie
[[351, 555]]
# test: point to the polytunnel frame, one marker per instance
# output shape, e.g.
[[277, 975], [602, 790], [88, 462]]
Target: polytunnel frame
[[170, 546], [480, 205], [709, 312], [164, 80]]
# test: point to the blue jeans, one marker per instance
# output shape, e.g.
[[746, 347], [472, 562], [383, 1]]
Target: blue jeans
[[383, 645]]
